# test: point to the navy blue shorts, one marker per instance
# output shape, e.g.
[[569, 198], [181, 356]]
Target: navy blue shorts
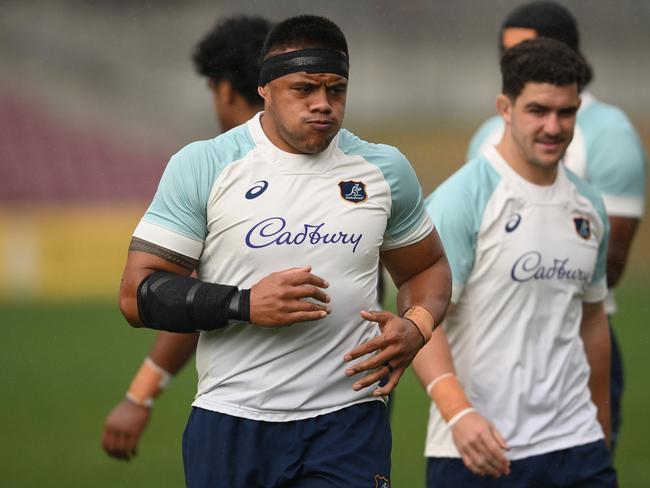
[[348, 448], [588, 466]]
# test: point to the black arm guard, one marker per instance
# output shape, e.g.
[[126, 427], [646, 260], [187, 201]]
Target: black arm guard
[[174, 303]]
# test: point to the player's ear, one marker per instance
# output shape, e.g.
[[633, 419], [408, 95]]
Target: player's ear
[[227, 92], [504, 107], [262, 91]]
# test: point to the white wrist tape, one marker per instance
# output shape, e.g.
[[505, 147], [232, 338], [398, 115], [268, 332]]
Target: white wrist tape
[[436, 380], [454, 420], [147, 384]]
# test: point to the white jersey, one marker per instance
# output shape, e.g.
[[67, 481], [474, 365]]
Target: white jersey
[[523, 258], [606, 151], [245, 209]]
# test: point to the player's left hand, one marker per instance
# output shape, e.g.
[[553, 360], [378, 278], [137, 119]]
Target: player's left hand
[[396, 346], [481, 446], [124, 426]]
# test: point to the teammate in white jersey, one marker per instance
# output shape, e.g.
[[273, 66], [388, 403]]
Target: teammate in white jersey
[[525, 398], [606, 151], [228, 56], [280, 401]]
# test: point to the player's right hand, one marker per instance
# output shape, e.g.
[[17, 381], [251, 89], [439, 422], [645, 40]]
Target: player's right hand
[[123, 428], [277, 300], [481, 446]]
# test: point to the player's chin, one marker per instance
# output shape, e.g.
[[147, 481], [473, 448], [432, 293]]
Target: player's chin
[[317, 143], [550, 157]]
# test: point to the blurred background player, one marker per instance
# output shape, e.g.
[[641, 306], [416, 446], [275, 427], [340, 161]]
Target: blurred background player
[[525, 398], [606, 151], [228, 56]]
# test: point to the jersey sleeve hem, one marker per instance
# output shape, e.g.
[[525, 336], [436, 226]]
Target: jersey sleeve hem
[[168, 239], [596, 292], [622, 206], [456, 291], [418, 233]]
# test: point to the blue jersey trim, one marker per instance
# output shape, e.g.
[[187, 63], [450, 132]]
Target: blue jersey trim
[[457, 207], [616, 160], [407, 206], [180, 203]]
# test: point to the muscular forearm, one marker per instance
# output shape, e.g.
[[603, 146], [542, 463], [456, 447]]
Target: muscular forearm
[[430, 288], [169, 353], [434, 359], [172, 351], [622, 231], [594, 332], [175, 303], [144, 259]]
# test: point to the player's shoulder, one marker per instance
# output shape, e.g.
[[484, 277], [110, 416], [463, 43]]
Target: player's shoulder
[[599, 116], [382, 155], [587, 190], [219, 151], [490, 125], [394, 166], [474, 178]]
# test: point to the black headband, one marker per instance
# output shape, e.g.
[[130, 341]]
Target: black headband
[[313, 60]]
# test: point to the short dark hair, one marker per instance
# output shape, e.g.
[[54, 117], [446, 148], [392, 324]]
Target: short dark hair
[[548, 19], [307, 31], [231, 51], [541, 60]]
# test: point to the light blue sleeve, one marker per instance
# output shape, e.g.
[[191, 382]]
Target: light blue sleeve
[[457, 208], [408, 221], [454, 221], [407, 210], [616, 160], [489, 132], [180, 203]]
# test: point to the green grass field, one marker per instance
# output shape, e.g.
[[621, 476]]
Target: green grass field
[[65, 366]]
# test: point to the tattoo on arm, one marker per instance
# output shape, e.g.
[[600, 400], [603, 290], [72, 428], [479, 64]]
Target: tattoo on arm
[[171, 256]]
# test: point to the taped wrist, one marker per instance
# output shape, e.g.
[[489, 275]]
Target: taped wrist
[[174, 303], [147, 384], [422, 319], [449, 397]]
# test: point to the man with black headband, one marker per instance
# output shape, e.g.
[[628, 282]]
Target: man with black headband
[[285, 219], [606, 151], [518, 373]]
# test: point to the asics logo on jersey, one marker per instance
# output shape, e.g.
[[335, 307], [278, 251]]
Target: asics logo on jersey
[[353, 191], [259, 188], [272, 231], [513, 222], [530, 267]]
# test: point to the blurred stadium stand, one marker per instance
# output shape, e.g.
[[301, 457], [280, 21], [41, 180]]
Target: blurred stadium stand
[[43, 161], [95, 96]]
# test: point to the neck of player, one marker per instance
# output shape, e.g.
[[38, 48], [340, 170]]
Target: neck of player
[[535, 173]]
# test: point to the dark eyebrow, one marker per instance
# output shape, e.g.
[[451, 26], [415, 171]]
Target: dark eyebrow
[[305, 82], [536, 105]]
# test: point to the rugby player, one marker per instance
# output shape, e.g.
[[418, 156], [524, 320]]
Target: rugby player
[[285, 219], [519, 372], [606, 151], [228, 56]]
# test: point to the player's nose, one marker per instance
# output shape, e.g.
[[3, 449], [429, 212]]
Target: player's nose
[[320, 101], [552, 125]]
